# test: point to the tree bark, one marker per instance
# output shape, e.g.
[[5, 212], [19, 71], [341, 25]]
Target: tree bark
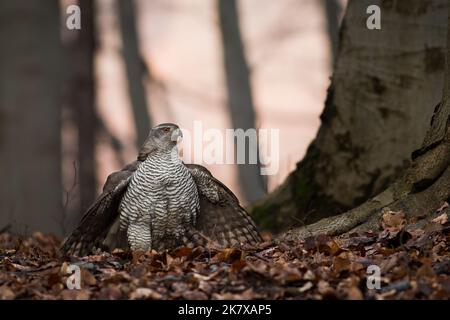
[[332, 11], [384, 88], [30, 120], [422, 189], [81, 100], [240, 100]]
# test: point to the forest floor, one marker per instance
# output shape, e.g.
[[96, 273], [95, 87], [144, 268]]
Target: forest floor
[[413, 260]]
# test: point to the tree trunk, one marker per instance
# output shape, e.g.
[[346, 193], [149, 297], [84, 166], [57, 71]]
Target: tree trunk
[[135, 69], [30, 119], [81, 100], [332, 11], [240, 101], [384, 88], [421, 190]]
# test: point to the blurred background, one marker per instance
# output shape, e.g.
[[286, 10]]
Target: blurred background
[[76, 105]]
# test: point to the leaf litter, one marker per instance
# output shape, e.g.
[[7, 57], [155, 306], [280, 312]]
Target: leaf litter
[[414, 263]]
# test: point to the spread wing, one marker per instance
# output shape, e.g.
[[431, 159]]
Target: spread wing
[[101, 217], [221, 218]]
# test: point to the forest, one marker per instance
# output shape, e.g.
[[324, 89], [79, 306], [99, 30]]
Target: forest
[[311, 139]]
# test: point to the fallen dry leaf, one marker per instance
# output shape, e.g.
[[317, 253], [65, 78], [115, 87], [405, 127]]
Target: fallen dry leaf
[[6, 293], [393, 221], [442, 219], [305, 287], [145, 293]]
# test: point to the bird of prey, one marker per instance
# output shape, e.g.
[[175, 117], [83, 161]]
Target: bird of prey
[[158, 202]]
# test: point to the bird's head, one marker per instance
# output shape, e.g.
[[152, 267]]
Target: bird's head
[[163, 137], [166, 135]]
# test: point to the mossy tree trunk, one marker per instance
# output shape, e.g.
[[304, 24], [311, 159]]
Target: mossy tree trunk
[[384, 88], [419, 192]]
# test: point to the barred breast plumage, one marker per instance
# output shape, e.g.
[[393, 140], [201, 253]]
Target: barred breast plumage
[[157, 202], [160, 205]]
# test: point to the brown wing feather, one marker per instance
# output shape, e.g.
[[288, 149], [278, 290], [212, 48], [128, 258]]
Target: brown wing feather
[[221, 217], [101, 215]]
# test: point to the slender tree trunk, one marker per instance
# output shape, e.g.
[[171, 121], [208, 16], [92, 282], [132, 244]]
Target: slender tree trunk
[[135, 69], [384, 88], [240, 101], [30, 119], [420, 191], [81, 100]]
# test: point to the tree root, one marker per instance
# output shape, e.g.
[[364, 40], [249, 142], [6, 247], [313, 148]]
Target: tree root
[[344, 222], [400, 196]]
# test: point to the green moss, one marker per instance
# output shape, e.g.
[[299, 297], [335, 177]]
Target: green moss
[[303, 185], [299, 202], [265, 216], [303, 189]]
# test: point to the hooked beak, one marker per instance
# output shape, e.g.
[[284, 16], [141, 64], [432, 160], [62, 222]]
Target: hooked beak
[[177, 135]]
